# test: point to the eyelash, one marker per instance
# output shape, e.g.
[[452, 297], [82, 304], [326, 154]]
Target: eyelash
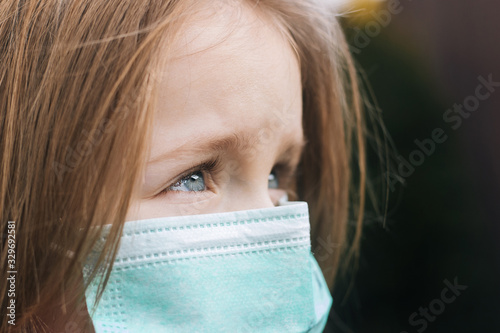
[[210, 167], [284, 172]]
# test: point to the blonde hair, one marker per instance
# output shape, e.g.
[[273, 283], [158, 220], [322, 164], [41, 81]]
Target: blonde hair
[[76, 85]]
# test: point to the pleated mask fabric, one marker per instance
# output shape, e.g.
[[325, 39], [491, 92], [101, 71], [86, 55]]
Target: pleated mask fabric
[[242, 271]]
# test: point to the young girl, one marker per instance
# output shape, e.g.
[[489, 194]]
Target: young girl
[[147, 152]]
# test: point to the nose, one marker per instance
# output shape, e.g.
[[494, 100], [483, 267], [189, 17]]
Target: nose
[[248, 201], [250, 195]]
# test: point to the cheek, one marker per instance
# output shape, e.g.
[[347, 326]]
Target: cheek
[[133, 212]]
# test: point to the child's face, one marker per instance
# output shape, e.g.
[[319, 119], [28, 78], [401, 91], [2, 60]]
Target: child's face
[[217, 90]]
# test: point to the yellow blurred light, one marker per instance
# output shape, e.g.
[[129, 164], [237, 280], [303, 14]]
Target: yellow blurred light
[[359, 11]]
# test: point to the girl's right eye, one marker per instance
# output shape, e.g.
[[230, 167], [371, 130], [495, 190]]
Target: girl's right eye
[[196, 179], [195, 182]]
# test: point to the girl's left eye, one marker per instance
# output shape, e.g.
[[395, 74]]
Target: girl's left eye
[[273, 182], [195, 182]]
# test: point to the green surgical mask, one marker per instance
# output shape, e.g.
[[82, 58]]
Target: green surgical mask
[[243, 271]]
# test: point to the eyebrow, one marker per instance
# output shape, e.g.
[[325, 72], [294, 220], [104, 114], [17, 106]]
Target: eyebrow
[[290, 149]]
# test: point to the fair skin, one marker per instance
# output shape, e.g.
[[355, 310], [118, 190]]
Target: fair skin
[[245, 86]]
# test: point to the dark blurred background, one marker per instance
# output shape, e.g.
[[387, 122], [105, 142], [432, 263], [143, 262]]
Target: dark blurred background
[[435, 265]]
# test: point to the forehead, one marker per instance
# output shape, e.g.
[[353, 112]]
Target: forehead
[[228, 70]]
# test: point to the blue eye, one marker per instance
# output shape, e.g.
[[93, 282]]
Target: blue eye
[[273, 180], [195, 182], [196, 179]]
